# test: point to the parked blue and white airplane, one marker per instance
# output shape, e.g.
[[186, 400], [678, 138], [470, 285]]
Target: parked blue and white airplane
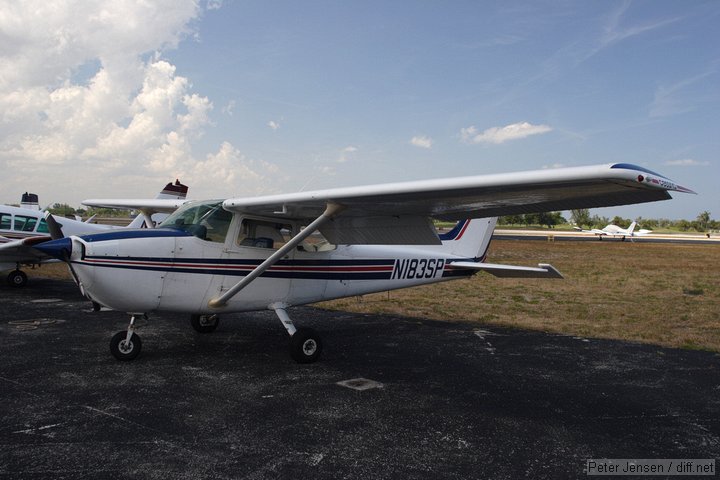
[[25, 226], [274, 252]]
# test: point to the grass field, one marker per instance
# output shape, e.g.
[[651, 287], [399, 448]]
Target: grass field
[[666, 294]]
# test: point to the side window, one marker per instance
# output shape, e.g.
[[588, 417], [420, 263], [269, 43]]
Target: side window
[[24, 224], [262, 234], [5, 221], [316, 243]]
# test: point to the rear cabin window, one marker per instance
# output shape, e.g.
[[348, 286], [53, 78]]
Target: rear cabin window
[[316, 243]]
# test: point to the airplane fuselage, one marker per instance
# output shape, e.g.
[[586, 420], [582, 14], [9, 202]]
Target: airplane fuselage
[[170, 270]]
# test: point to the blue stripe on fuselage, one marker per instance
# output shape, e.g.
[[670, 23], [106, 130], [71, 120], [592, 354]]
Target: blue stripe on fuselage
[[122, 234]]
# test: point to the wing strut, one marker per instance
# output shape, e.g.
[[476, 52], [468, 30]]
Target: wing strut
[[147, 215], [331, 210]]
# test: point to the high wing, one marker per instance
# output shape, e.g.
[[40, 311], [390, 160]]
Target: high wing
[[478, 196], [154, 205], [148, 207], [371, 211], [171, 197]]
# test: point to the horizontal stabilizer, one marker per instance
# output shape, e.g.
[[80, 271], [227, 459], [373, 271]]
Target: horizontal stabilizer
[[543, 270]]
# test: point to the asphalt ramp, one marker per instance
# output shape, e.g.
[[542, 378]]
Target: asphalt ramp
[[391, 397]]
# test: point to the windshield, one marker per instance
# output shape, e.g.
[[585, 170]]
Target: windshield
[[206, 220]]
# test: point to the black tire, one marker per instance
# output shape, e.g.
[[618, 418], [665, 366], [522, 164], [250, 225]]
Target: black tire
[[17, 278], [204, 323], [125, 351], [305, 346]]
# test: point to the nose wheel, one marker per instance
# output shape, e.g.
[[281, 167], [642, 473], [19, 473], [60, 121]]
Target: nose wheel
[[126, 345]]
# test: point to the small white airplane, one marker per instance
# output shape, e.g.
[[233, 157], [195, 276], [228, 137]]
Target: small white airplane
[[25, 226], [615, 231], [273, 252]]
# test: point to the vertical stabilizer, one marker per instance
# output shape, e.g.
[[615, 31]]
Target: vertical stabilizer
[[631, 228], [470, 238], [176, 191], [30, 201]]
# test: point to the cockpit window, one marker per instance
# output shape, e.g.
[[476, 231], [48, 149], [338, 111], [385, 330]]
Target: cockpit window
[[43, 227], [5, 221], [206, 220]]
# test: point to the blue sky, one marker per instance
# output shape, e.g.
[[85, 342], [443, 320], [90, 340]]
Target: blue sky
[[250, 97]]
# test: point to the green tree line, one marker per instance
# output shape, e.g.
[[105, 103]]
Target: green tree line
[[583, 219], [65, 210]]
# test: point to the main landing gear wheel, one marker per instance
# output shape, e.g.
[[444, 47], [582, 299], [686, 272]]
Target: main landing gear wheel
[[204, 323], [124, 349], [305, 345], [17, 278]]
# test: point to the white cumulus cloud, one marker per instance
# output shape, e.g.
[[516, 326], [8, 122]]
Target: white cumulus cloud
[[229, 167], [346, 153], [498, 135], [421, 141], [85, 91]]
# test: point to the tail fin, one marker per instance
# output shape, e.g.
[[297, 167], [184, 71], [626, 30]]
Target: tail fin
[[30, 201], [176, 191], [631, 228], [470, 238]]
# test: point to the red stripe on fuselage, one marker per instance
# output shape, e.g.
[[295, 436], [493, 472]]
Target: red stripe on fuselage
[[223, 266]]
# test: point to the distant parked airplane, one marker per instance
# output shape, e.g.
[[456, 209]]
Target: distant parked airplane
[[615, 231], [22, 227]]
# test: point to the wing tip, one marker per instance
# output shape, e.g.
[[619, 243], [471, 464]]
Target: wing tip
[[652, 179]]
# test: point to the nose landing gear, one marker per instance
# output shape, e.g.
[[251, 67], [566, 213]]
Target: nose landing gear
[[126, 345]]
